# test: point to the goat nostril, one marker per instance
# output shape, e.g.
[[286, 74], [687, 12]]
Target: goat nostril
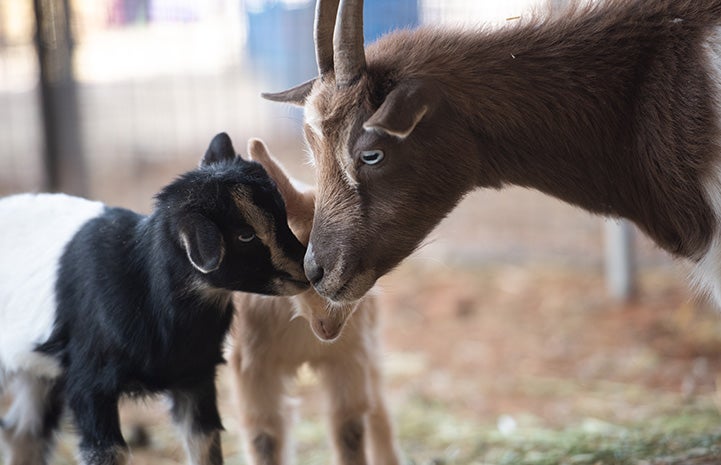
[[313, 271]]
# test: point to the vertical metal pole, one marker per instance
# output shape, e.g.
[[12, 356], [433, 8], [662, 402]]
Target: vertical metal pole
[[620, 262], [63, 157]]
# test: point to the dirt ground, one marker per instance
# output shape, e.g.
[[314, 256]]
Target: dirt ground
[[515, 350], [514, 340]]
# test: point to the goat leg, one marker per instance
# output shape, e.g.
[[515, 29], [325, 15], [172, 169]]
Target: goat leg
[[195, 412], [28, 429]]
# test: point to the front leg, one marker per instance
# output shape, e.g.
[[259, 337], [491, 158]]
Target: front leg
[[348, 402], [382, 446], [29, 426], [195, 412], [96, 416], [260, 391]]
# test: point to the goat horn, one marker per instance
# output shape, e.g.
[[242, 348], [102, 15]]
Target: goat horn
[[295, 95], [348, 51], [325, 14]]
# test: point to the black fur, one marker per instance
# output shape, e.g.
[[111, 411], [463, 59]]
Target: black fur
[[134, 316]]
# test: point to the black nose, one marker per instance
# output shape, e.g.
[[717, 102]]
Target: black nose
[[313, 271]]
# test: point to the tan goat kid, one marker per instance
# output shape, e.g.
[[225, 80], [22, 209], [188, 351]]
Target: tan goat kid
[[271, 344]]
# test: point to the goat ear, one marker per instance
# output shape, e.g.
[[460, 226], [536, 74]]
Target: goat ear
[[404, 107], [296, 95], [202, 241], [294, 198], [220, 149]]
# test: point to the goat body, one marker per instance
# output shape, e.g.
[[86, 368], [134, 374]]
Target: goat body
[[99, 302], [611, 106], [340, 342]]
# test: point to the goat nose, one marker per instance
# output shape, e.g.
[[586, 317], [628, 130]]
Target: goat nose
[[313, 271], [328, 329]]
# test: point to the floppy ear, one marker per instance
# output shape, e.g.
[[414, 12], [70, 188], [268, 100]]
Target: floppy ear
[[295, 95], [220, 149], [404, 107], [202, 241]]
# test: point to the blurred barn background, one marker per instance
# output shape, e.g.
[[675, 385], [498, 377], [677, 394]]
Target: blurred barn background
[[104, 96], [505, 313]]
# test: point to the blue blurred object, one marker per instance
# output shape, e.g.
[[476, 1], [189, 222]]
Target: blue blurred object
[[280, 34], [382, 16], [280, 41]]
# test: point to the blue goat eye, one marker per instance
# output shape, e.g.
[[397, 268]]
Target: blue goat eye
[[372, 157]]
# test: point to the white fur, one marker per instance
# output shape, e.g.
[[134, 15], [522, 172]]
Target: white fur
[[23, 423], [35, 230], [26, 413], [706, 273], [199, 447], [345, 159]]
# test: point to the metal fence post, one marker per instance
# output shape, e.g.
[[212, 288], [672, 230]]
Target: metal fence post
[[620, 263]]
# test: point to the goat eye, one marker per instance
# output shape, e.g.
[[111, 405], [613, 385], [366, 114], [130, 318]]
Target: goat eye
[[372, 157], [246, 237]]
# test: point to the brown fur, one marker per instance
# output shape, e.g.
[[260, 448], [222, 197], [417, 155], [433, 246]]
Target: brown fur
[[609, 107]]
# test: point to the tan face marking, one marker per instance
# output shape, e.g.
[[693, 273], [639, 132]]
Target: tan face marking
[[345, 161], [262, 224], [313, 115]]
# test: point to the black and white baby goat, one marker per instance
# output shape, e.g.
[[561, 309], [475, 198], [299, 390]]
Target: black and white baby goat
[[99, 302]]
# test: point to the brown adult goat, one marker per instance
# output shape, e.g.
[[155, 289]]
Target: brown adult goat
[[611, 106]]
